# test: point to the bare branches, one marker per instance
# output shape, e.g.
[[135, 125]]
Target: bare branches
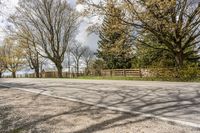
[[77, 51], [51, 26]]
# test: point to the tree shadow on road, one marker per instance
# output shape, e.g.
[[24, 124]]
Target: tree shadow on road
[[170, 103]]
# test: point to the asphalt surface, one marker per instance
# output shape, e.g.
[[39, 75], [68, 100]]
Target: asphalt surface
[[176, 101]]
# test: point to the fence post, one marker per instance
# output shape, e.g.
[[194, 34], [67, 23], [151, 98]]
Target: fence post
[[124, 72], [111, 72], [140, 71]]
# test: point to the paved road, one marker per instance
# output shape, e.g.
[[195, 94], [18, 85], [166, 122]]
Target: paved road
[[179, 101]]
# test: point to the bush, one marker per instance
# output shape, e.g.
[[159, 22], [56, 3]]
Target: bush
[[187, 73], [162, 73]]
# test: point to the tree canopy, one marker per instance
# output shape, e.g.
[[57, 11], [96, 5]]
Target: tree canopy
[[115, 46]]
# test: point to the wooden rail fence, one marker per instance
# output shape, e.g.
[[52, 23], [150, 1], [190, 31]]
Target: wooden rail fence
[[113, 72], [108, 72], [122, 72]]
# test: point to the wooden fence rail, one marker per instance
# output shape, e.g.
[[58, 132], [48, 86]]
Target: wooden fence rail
[[108, 72], [122, 72]]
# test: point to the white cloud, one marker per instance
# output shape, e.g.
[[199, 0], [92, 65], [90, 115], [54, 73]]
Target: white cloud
[[83, 35], [80, 8], [7, 8], [85, 38]]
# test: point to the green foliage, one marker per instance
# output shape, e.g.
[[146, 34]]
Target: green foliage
[[115, 48], [152, 54], [98, 65], [188, 73], [133, 78], [147, 56]]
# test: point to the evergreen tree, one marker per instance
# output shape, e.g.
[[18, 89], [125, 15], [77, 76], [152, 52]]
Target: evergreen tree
[[115, 47]]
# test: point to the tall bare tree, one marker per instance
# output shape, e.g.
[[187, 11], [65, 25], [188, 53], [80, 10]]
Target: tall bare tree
[[32, 56], [25, 37], [53, 23], [77, 51], [87, 57]]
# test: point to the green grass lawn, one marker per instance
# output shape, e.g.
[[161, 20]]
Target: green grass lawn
[[132, 78]]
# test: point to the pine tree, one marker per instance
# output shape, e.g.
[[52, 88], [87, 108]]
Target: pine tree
[[115, 47]]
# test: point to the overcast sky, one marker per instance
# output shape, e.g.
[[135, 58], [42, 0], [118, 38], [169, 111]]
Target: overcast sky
[[8, 8]]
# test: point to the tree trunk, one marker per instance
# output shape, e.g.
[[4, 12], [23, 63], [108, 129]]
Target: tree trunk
[[0, 74], [37, 72], [59, 68], [87, 69], [69, 65], [77, 69], [41, 70], [179, 59], [14, 74]]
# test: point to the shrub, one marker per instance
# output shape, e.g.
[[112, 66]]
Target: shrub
[[187, 73]]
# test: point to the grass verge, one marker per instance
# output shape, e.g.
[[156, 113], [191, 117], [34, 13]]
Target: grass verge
[[133, 78]]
